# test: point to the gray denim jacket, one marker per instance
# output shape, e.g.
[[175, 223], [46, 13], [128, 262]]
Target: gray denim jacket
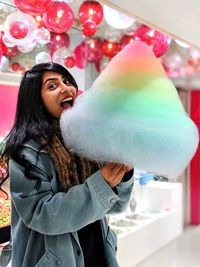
[[45, 221]]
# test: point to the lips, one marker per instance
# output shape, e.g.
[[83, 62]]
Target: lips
[[67, 103]]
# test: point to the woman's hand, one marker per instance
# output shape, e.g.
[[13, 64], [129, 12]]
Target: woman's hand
[[113, 173], [128, 168]]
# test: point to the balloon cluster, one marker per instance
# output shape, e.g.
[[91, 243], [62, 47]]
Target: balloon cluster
[[46, 22], [31, 24], [90, 15], [94, 50], [101, 51], [21, 27], [159, 42]]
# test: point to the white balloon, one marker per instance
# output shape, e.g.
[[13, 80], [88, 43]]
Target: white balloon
[[4, 64], [112, 35], [194, 53], [27, 48], [116, 19], [7, 42], [182, 44], [43, 36], [173, 61], [8, 8], [42, 57], [60, 54]]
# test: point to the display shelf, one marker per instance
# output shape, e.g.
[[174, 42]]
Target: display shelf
[[156, 221]]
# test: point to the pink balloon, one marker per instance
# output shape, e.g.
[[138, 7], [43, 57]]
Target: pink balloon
[[58, 40], [59, 17], [18, 29], [93, 50], [161, 44], [79, 53], [33, 7], [88, 51]]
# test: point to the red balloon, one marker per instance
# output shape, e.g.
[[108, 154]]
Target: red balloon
[[7, 51], [110, 49], [59, 17], [11, 51], [69, 62], [90, 10], [145, 34], [1, 53], [16, 66], [58, 40], [18, 29], [127, 39], [33, 7], [89, 28], [93, 50]]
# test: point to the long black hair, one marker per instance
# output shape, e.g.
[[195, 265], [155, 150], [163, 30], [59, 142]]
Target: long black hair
[[32, 121]]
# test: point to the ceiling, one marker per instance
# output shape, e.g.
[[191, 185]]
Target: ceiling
[[148, 12], [178, 18]]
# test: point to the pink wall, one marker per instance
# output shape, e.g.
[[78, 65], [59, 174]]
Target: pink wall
[[195, 163], [8, 101]]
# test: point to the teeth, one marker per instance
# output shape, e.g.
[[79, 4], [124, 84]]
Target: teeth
[[66, 99]]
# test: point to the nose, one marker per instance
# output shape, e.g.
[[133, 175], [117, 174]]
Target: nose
[[64, 88]]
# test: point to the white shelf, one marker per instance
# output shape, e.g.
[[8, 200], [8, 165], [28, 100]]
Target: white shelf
[[163, 201]]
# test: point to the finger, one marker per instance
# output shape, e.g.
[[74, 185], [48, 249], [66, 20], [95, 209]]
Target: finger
[[118, 169], [110, 165]]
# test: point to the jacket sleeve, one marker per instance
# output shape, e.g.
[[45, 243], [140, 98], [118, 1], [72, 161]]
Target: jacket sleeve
[[56, 213], [124, 190]]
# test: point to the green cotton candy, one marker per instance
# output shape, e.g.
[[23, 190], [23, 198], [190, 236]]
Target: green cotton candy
[[132, 114]]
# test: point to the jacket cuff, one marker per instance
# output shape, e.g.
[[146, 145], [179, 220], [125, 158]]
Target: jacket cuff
[[127, 176], [102, 190]]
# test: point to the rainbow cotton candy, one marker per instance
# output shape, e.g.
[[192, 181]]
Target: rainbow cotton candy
[[132, 114]]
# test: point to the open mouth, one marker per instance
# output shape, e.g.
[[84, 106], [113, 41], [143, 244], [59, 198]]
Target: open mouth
[[67, 103]]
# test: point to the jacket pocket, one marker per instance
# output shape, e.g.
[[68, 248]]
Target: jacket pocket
[[111, 239], [48, 260]]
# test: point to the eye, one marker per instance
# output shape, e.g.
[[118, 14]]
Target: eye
[[65, 81], [52, 86]]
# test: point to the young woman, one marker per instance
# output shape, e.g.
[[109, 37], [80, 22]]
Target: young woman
[[59, 200]]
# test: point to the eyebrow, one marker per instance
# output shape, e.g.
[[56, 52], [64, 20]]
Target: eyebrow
[[50, 79], [53, 79]]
